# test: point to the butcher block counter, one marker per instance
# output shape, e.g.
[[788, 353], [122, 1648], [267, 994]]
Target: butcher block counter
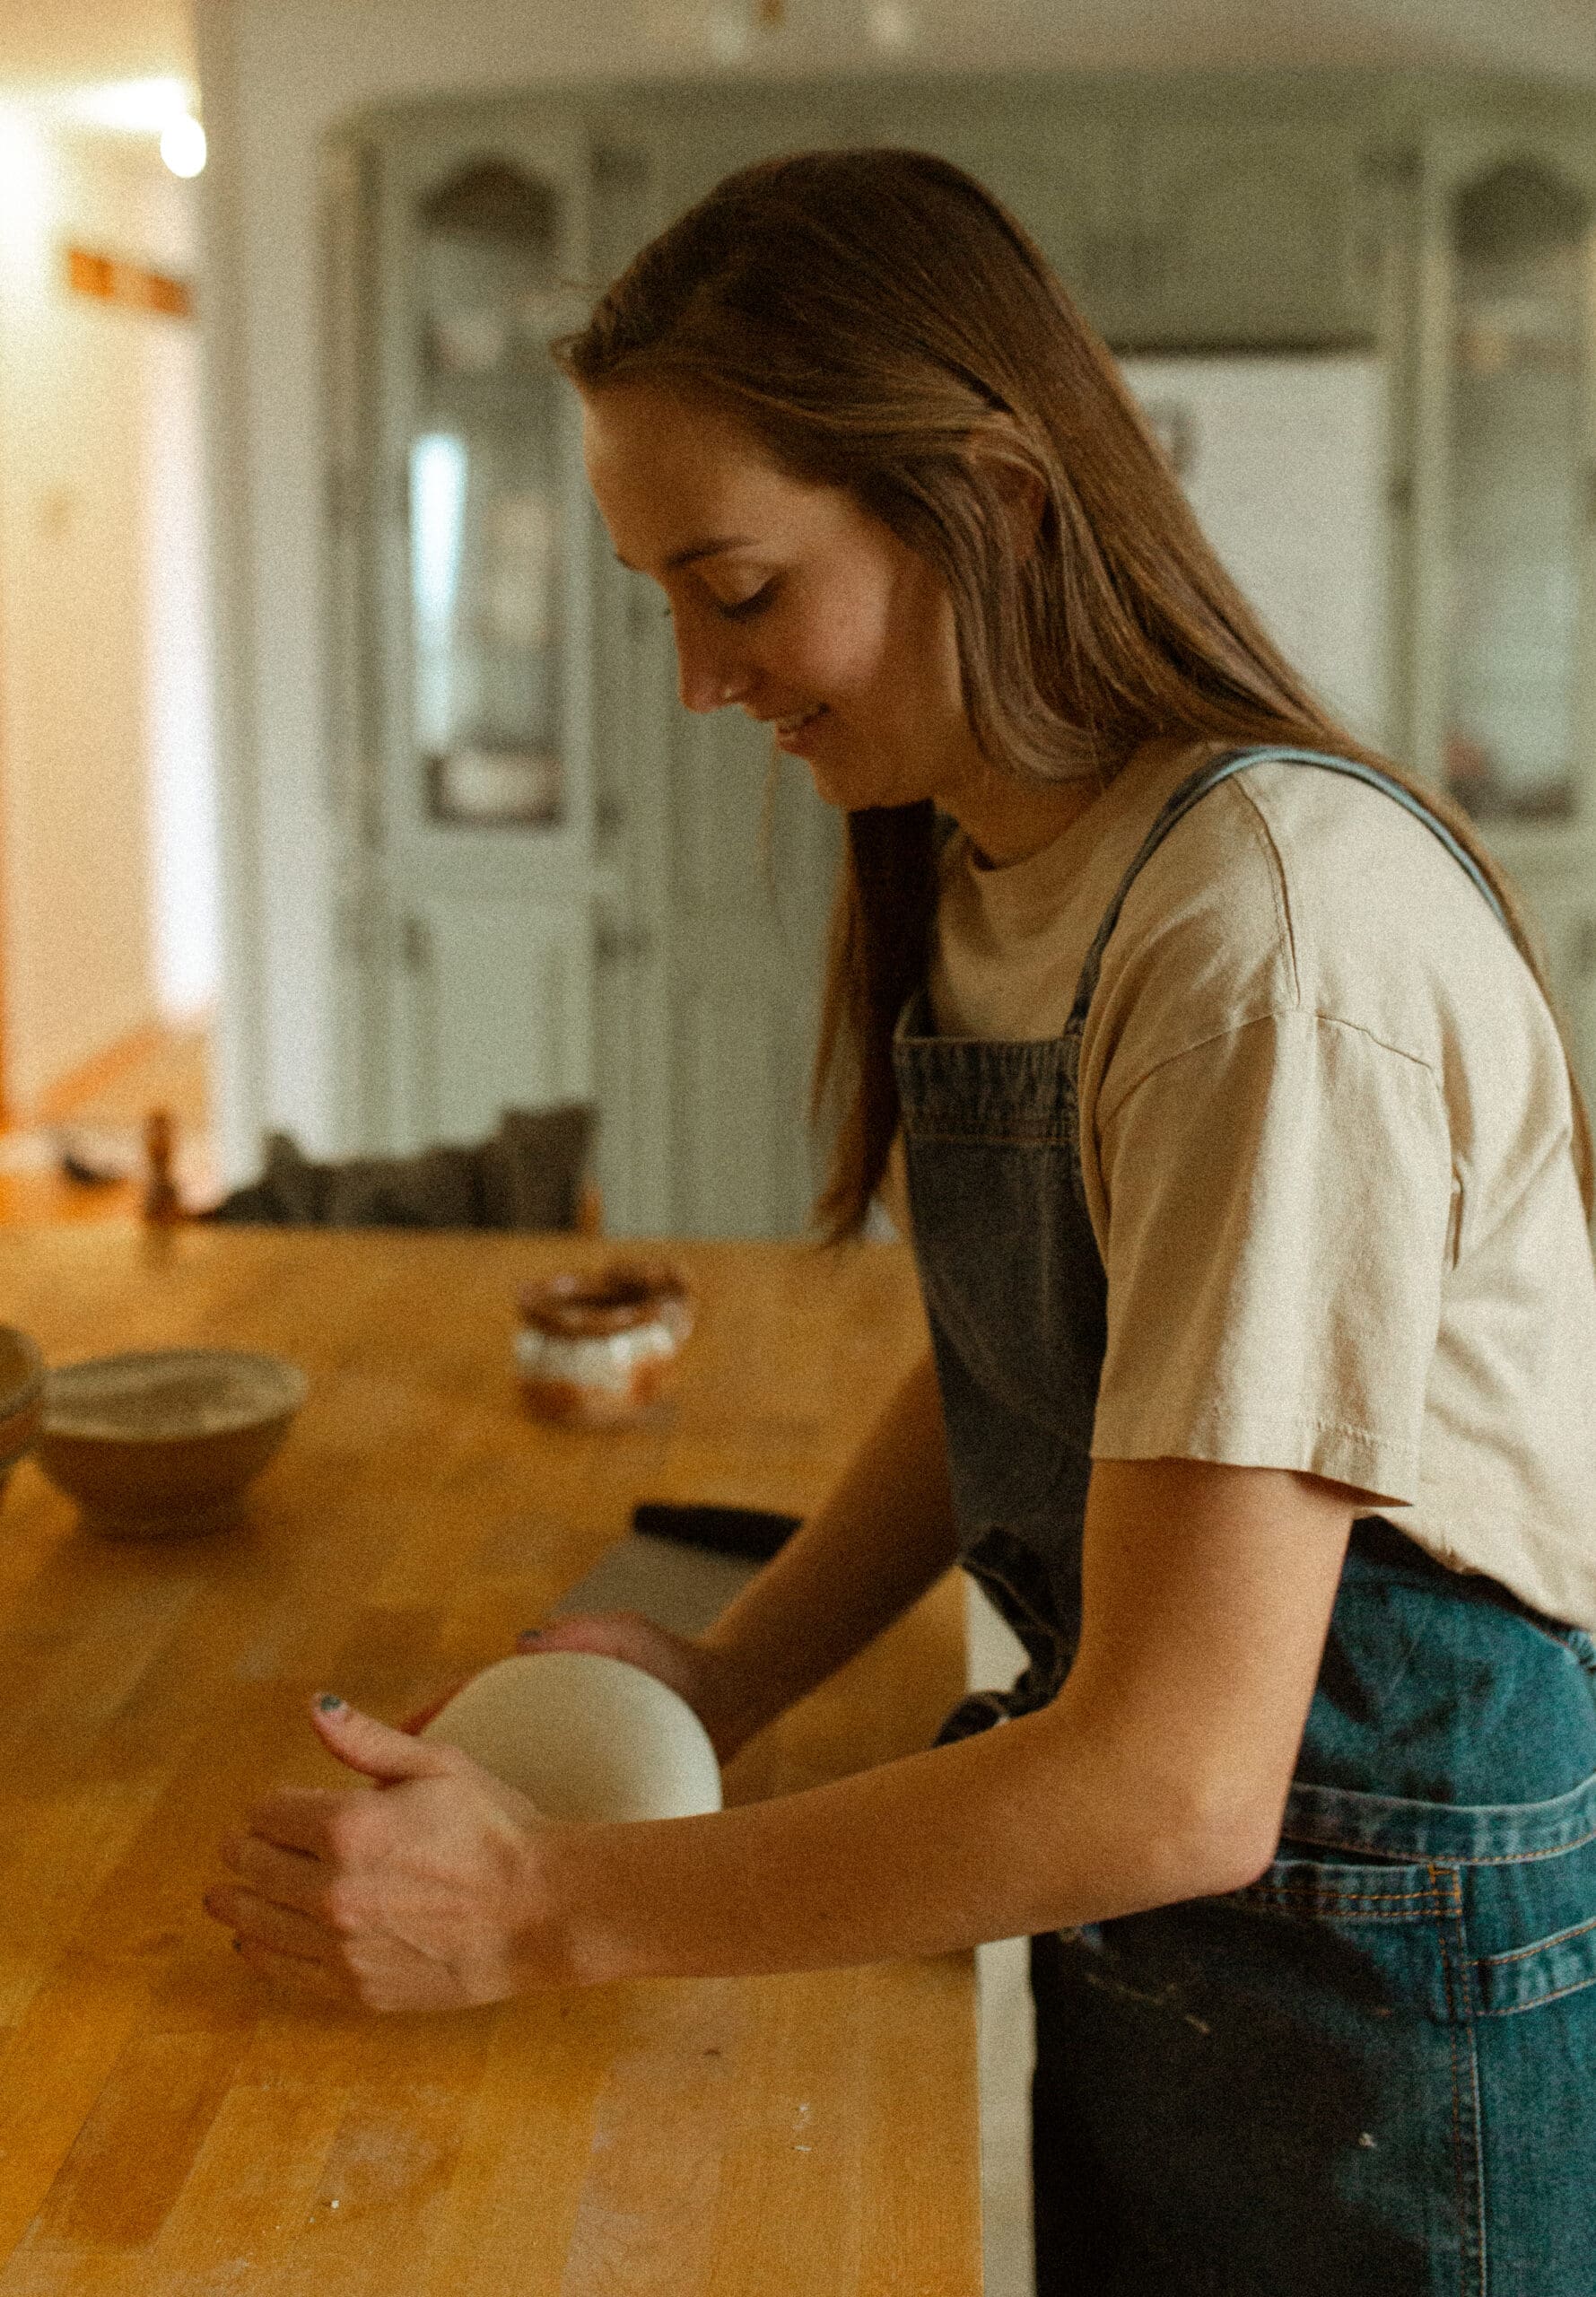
[[167, 2124]]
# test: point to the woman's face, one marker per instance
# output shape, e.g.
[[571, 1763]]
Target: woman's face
[[786, 599]]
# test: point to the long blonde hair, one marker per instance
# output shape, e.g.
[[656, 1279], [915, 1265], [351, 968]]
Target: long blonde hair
[[881, 323]]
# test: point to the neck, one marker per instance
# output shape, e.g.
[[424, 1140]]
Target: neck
[[1007, 821]]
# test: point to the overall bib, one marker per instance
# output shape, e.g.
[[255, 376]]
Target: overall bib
[[1372, 2072]]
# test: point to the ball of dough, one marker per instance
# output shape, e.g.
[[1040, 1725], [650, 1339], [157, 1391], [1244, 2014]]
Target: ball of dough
[[584, 1737]]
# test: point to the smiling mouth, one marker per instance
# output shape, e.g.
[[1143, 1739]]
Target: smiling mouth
[[787, 726]]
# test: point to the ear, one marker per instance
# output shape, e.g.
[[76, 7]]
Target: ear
[[1019, 486], [1025, 498]]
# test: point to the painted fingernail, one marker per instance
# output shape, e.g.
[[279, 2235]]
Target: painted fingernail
[[330, 1702]]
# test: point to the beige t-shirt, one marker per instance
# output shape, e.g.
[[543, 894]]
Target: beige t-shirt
[[1325, 1128]]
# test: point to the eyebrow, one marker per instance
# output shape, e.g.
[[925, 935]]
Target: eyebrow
[[709, 549]]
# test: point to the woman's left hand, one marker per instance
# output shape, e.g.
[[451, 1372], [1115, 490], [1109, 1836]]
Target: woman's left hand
[[417, 1896]]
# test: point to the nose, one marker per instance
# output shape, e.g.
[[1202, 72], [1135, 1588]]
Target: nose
[[708, 672]]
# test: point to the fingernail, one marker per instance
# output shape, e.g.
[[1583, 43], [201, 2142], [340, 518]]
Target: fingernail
[[330, 1702]]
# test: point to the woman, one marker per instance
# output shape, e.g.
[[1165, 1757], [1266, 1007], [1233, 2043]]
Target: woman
[[1248, 1186]]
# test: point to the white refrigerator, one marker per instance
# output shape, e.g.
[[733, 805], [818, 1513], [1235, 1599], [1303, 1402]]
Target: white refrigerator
[[1284, 460]]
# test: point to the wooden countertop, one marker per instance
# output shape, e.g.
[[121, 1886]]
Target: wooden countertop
[[167, 2125]]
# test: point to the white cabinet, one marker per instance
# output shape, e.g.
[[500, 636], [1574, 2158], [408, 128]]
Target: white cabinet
[[1180, 218], [1500, 514], [1504, 546], [1561, 896], [1247, 231], [463, 533], [554, 882], [493, 1006]]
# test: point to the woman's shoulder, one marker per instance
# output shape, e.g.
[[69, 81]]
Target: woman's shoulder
[[1200, 942], [1388, 929], [1295, 888]]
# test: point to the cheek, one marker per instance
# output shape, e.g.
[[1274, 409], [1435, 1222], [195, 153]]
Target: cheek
[[843, 643], [882, 632]]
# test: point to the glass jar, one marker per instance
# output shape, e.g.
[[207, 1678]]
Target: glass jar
[[596, 1349]]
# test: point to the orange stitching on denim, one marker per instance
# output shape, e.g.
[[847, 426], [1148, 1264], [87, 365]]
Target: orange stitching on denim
[[1557, 1938], [1452, 2028], [1334, 1901], [1517, 2009], [1525, 1858], [1477, 2212], [1462, 1857]]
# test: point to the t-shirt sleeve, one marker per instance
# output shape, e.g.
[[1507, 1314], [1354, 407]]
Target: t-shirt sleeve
[[1274, 1213]]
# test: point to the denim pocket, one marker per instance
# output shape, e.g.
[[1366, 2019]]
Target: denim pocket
[[1532, 1919], [1544, 1971], [1512, 1887], [1389, 1939]]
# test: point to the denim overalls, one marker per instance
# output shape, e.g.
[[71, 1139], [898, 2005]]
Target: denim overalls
[[1372, 2073]]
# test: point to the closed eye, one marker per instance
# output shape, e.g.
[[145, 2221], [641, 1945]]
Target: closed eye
[[745, 609]]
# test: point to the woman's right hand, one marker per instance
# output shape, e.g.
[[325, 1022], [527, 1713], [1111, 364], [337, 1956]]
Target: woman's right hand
[[704, 1678]]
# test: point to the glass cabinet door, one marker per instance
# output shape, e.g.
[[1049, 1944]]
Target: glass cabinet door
[[1520, 385], [485, 484]]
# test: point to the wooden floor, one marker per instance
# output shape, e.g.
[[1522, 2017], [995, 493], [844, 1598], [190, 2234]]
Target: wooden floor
[[97, 1114]]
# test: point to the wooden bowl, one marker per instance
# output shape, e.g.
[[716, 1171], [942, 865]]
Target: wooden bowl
[[22, 1397], [161, 1445]]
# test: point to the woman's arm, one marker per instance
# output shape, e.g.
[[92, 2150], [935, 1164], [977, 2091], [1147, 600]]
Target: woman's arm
[[882, 1536], [1159, 1773]]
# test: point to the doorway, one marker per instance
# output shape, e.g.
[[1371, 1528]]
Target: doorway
[[109, 926]]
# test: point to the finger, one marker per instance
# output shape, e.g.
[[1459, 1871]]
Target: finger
[[257, 1922], [297, 1817], [287, 1877], [374, 1749], [614, 1636]]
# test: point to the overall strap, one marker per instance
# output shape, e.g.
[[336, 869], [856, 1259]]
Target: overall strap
[[1198, 785]]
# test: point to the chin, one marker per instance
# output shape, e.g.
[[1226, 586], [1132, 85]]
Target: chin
[[851, 793]]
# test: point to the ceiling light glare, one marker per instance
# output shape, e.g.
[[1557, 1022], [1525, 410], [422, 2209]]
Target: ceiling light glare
[[183, 145], [137, 107], [25, 186]]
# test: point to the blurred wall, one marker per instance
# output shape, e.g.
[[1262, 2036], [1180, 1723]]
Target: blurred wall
[[81, 955]]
